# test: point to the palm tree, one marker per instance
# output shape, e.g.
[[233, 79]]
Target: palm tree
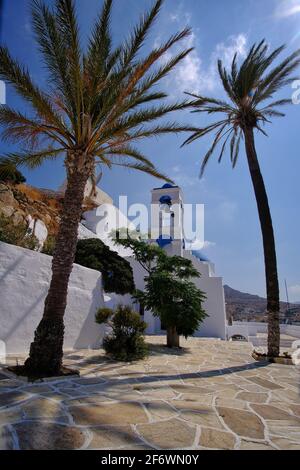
[[99, 101], [248, 86]]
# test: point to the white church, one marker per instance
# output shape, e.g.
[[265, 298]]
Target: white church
[[167, 231], [25, 277]]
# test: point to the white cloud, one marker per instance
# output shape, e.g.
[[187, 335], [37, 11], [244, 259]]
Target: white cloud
[[180, 15], [178, 174], [188, 74], [226, 50], [287, 8], [191, 74], [200, 245]]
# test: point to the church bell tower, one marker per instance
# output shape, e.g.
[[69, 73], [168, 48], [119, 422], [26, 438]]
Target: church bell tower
[[167, 219]]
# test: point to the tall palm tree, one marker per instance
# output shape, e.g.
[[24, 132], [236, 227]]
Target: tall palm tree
[[248, 86], [99, 101]]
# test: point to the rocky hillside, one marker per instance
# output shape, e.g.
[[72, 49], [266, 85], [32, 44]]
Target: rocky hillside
[[242, 306], [25, 210], [21, 202]]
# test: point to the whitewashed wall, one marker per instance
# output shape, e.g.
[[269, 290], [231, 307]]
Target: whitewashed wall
[[24, 282]]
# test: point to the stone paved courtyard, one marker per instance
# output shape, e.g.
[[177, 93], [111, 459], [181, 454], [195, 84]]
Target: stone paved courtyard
[[210, 395]]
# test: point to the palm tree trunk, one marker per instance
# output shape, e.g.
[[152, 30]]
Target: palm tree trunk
[[265, 218], [172, 337], [46, 351]]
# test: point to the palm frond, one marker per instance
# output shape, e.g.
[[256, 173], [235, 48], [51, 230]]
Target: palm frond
[[19, 78], [100, 59], [128, 151], [167, 128], [163, 71], [100, 101], [261, 130], [273, 113], [232, 144], [17, 127], [226, 81], [274, 104], [99, 48], [145, 169], [127, 96], [142, 117], [67, 24], [278, 77], [224, 145], [247, 85], [202, 132], [212, 148], [237, 149], [139, 34], [27, 159]]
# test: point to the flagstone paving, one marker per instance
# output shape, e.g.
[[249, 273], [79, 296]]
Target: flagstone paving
[[209, 395]]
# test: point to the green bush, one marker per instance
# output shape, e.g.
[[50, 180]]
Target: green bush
[[116, 271], [16, 234], [103, 315], [49, 245], [126, 342]]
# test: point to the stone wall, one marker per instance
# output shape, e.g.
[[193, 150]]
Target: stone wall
[[24, 282]]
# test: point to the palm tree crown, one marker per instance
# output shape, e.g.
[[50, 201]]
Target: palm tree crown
[[98, 101], [247, 87]]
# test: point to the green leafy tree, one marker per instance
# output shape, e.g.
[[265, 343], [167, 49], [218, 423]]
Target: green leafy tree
[[116, 271], [126, 341], [169, 290], [99, 101], [250, 88]]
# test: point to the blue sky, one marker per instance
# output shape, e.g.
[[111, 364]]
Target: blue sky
[[219, 30]]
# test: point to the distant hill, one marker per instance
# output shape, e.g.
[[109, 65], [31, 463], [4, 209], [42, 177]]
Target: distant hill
[[236, 295], [242, 306]]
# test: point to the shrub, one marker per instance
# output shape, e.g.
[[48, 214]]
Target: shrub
[[10, 174], [116, 271], [103, 315], [126, 342], [49, 245], [16, 234]]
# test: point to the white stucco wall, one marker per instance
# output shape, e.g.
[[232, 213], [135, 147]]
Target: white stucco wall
[[104, 220], [214, 326], [24, 282]]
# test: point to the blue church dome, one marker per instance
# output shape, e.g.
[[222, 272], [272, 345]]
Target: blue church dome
[[168, 186]]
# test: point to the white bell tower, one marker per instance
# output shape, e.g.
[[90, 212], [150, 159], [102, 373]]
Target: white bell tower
[[167, 219]]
